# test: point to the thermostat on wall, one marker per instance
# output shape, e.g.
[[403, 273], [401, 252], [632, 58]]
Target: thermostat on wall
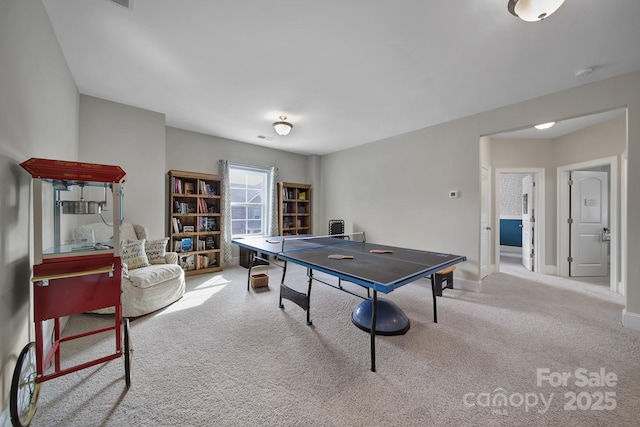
[[454, 194]]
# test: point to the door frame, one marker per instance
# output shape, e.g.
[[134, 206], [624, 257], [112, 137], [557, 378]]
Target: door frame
[[562, 265], [485, 194], [539, 229]]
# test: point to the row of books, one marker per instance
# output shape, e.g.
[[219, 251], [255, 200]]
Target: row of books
[[287, 209], [186, 244], [207, 223], [183, 207], [204, 207], [290, 193], [207, 189], [183, 245], [188, 208], [188, 187], [293, 224], [183, 187], [193, 262]]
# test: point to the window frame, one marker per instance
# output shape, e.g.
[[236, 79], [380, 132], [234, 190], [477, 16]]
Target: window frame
[[265, 206]]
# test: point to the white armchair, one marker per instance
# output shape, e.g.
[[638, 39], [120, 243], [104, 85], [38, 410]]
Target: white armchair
[[151, 277]]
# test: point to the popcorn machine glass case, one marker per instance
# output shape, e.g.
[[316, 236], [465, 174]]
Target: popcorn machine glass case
[[67, 195], [71, 274]]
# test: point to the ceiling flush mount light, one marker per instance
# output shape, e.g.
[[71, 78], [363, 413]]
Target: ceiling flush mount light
[[533, 10], [282, 127], [544, 126], [584, 72]]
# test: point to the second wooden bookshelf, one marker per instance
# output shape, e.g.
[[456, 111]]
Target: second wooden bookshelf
[[294, 208]]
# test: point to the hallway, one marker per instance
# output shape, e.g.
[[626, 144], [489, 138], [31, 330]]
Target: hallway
[[511, 263]]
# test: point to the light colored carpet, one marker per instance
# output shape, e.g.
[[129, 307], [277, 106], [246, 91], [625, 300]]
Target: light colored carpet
[[223, 356]]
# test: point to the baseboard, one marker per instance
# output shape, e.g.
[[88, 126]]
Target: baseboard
[[551, 270], [466, 285], [631, 320]]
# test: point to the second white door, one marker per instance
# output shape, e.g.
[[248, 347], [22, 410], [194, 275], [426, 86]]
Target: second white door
[[589, 224]]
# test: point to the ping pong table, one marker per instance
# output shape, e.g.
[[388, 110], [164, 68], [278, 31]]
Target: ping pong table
[[349, 257]]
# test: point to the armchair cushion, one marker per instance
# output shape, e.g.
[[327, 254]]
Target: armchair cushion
[[156, 250], [133, 254], [154, 274]]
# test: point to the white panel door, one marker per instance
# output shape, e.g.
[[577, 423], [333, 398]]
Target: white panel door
[[528, 220], [589, 224]]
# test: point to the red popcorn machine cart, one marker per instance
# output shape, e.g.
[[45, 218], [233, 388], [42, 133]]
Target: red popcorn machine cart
[[71, 275]]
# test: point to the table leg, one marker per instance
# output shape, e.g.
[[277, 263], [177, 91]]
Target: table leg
[[310, 275], [252, 255], [303, 300], [433, 291], [374, 318], [284, 273]]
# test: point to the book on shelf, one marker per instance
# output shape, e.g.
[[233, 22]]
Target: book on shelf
[[177, 226], [206, 223], [188, 262], [186, 244], [209, 243], [188, 187], [188, 229]]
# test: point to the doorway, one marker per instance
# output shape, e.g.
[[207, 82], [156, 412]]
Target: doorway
[[588, 249], [520, 218]]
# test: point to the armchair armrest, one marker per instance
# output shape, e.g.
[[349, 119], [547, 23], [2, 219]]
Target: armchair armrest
[[171, 257]]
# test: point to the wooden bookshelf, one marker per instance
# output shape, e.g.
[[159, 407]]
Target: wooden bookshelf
[[195, 220], [294, 208]]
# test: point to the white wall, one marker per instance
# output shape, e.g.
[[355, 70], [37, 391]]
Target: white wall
[[595, 142], [132, 138], [196, 152], [510, 195], [38, 118], [396, 189]]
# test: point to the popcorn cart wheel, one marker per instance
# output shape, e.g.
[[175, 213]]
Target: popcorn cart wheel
[[71, 274]]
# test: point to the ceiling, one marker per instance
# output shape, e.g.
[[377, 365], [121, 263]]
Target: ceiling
[[345, 73], [562, 127]]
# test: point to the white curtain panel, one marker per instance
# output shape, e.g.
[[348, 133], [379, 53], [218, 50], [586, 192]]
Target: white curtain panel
[[272, 225], [226, 209]]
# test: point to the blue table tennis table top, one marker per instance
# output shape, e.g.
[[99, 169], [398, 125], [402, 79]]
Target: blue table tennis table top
[[382, 272]]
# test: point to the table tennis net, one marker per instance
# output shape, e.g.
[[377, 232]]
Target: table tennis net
[[294, 243]]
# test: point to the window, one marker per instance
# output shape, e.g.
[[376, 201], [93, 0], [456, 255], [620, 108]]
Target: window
[[250, 204]]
